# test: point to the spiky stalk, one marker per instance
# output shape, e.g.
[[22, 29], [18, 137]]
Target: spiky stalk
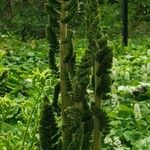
[[125, 22], [52, 7], [92, 29], [103, 59], [48, 129], [64, 77], [97, 134]]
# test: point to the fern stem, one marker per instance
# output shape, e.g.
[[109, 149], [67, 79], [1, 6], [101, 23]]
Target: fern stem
[[66, 137], [97, 134]]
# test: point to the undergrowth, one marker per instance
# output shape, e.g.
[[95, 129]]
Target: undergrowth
[[25, 79]]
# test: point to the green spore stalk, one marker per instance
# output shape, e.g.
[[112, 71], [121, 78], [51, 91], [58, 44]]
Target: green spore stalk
[[52, 31], [48, 130]]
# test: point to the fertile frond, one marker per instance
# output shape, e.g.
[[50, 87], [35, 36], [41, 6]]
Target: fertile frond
[[48, 129], [103, 119], [55, 98]]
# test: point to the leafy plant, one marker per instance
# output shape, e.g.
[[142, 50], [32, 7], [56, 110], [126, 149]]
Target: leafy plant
[[25, 80]]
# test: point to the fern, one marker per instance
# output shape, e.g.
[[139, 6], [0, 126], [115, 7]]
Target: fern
[[55, 98], [52, 31], [48, 130], [103, 119]]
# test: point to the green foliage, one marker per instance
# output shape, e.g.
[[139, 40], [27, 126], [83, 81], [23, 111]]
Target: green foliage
[[28, 79], [25, 79], [29, 18], [129, 127], [26, 65]]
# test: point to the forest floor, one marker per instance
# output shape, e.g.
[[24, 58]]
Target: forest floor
[[25, 78]]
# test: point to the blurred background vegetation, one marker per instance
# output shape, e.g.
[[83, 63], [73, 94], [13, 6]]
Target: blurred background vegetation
[[27, 18]]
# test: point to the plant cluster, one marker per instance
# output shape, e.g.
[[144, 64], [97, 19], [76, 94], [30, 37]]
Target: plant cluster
[[24, 69], [32, 97], [74, 79]]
